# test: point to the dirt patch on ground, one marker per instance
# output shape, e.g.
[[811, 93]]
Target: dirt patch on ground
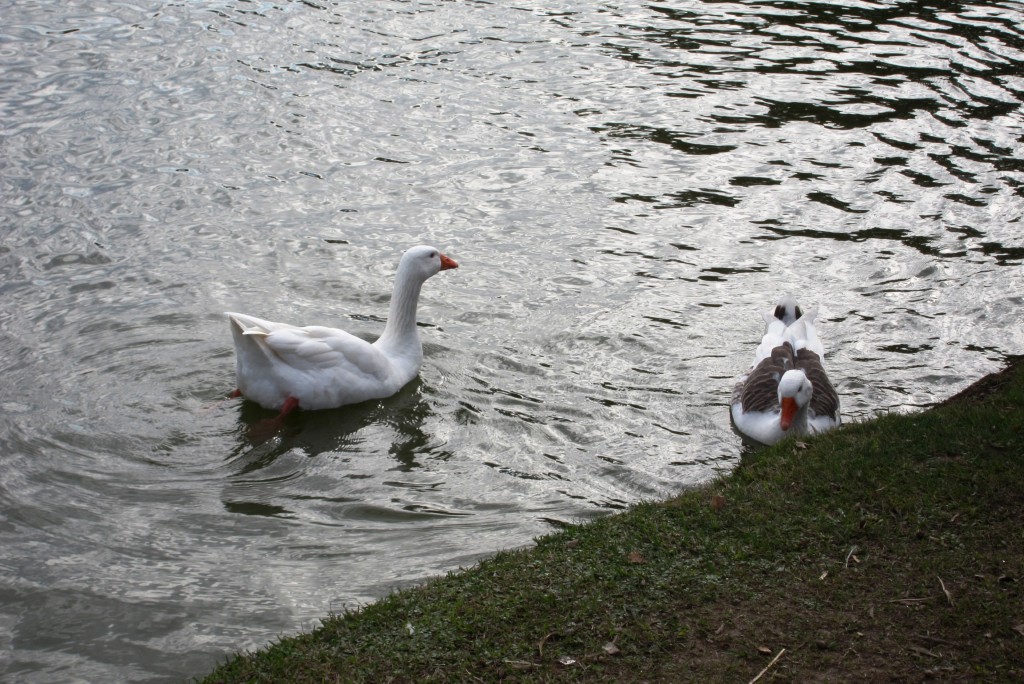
[[989, 384], [878, 620]]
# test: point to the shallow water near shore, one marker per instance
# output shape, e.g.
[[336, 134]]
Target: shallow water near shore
[[626, 188]]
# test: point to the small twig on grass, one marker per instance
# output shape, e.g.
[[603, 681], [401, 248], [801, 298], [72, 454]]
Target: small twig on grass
[[520, 664], [853, 549], [936, 640], [768, 666], [949, 597], [924, 651]]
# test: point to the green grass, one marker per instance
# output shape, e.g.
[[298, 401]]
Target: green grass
[[889, 550]]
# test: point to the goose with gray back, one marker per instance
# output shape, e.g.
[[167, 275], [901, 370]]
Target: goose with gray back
[[786, 391]]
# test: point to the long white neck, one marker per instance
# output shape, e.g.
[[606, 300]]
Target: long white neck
[[401, 336]]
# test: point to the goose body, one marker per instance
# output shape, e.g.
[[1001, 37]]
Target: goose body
[[786, 391], [282, 366]]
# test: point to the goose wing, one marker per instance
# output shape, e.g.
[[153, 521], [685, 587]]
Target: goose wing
[[317, 348], [313, 348], [825, 399], [758, 391]]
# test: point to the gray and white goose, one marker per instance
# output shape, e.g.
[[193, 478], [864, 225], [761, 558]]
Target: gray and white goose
[[786, 391]]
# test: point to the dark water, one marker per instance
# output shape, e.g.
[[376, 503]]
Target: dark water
[[626, 186]]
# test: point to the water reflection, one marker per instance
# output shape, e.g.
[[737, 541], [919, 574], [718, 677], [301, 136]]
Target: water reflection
[[317, 462], [338, 429]]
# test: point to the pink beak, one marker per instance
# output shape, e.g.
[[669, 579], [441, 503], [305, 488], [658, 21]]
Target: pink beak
[[448, 262], [789, 409]]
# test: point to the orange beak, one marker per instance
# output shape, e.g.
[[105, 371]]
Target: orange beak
[[448, 262], [789, 409]]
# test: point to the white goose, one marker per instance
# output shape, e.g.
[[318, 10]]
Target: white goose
[[786, 390], [284, 367]]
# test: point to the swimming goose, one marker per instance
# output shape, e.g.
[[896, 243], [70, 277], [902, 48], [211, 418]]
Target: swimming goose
[[284, 367], [786, 390]]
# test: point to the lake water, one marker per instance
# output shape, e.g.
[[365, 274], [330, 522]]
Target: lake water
[[626, 186]]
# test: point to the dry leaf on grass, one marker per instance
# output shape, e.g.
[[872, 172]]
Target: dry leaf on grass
[[923, 651], [949, 596], [540, 644]]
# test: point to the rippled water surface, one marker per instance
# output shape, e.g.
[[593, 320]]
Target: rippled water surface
[[625, 185]]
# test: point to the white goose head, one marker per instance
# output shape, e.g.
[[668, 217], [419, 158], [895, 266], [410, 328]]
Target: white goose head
[[424, 261], [786, 311], [794, 396]]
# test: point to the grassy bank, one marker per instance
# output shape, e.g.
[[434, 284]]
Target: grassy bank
[[886, 551]]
